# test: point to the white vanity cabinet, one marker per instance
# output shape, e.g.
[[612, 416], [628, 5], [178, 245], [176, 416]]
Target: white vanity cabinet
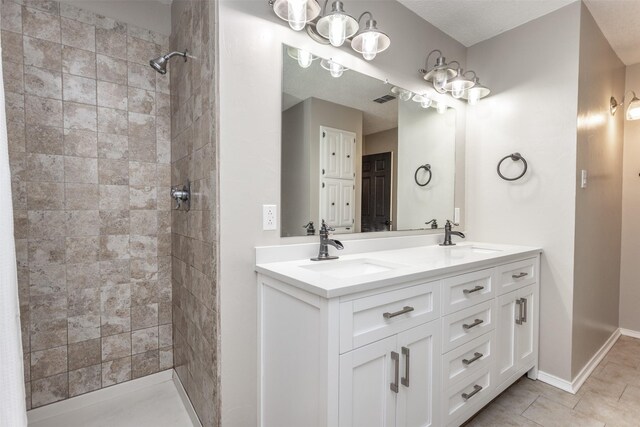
[[408, 353]]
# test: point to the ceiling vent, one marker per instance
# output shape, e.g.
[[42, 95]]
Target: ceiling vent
[[384, 99]]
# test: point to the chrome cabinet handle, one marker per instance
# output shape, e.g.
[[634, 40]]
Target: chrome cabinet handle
[[405, 380], [519, 275], [524, 309], [476, 356], [470, 291], [476, 390], [477, 322], [519, 318], [396, 358], [406, 309]]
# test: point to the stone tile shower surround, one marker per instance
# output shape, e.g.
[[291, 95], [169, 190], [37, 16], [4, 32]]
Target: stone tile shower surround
[[89, 138], [194, 233]]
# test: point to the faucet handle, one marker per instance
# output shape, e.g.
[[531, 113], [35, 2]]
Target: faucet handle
[[326, 228], [455, 224], [433, 222]]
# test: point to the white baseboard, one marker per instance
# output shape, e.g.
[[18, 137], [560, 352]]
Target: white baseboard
[[185, 401], [630, 333], [578, 381], [97, 396]]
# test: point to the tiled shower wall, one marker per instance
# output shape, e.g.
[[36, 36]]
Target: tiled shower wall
[[194, 233], [89, 138]]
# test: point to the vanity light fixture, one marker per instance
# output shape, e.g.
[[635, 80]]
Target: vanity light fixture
[[441, 107], [424, 100], [441, 71], [296, 12], [337, 26], [633, 110], [474, 94], [403, 94], [459, 84], [334, 27], [334, 68], [370, 41], [304, 57]]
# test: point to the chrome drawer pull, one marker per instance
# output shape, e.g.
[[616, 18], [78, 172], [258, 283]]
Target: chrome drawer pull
[[405, 310], [520, 317], [405, 380], [476, 390], [520, 275], [470, 291], [476, 356], [524, 305], [473, 325], [396, 358]]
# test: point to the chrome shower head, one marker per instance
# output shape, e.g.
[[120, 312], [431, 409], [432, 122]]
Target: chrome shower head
[[160, 63]]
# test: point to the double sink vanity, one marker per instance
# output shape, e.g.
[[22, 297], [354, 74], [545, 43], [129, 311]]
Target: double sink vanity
[[421, 335]]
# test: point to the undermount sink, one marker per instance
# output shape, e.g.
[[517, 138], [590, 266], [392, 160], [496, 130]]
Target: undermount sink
[[350, 268], [476, 249]]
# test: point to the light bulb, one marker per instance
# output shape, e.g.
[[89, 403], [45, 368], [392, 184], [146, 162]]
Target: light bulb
[[457, 89], [440, 79], [304, 58], [473, 96], [426, 102], [336, 70], [297, 14], [442, 107], [405, 95], [370, 45], [337, 30]]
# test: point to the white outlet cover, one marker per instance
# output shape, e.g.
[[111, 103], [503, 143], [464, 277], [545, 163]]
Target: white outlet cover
[[269, 217]]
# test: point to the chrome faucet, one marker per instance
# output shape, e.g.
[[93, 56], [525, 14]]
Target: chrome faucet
[[448, 233], [325, 242]]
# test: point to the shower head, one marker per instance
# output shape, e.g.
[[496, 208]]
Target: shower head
[[160, 63]]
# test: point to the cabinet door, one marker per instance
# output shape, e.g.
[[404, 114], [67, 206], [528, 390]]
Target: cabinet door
[[330, 152], [348, 152], [330, 202], [526, 334], [347, 208], [419, 396], [366, 375], [507, 362]]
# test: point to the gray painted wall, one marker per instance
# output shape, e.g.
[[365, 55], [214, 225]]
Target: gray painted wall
[[599, 206]]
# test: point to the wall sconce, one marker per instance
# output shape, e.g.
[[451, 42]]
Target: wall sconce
[[334, 27], [445, 78], [334, 68], [304, 58], [633, 110]]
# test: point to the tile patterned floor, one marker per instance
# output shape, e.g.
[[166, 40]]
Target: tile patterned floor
[[610, 397]]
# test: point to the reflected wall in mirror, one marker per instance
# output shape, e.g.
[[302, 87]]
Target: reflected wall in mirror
[[356, 156]]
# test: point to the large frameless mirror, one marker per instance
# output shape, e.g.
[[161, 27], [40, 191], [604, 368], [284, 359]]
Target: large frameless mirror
[[361, 154]]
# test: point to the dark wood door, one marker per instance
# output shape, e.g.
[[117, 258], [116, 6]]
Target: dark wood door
[[376, 192]]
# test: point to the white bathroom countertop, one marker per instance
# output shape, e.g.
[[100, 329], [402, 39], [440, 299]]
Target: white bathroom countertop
[[408, 264]]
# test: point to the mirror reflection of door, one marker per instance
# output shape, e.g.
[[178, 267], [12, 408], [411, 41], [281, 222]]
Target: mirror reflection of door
[[376, 192]]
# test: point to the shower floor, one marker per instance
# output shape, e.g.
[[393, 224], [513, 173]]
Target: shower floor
[[148, 404]]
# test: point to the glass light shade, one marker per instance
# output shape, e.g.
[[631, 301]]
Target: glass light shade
[[334, 68], [424, 100], [297, 12], [337, 26], [403, 94], [442, 107], [459, 84], [633, 110], [304, 58], [370, 41], [477, 92]]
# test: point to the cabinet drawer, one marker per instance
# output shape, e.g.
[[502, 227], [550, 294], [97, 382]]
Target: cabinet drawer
[[371, 318], [467, 359], [467, 290], [467, 397], [461, 327], [516, 275]]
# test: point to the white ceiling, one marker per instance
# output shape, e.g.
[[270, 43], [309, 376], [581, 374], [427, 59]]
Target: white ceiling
[[619, 21], [472, 21]]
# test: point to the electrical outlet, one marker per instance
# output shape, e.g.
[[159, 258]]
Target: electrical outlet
[[583, 180], [456, 215], [269, 217]]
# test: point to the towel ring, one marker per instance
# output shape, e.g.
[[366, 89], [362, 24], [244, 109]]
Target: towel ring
[[515, 157], [427, 168]]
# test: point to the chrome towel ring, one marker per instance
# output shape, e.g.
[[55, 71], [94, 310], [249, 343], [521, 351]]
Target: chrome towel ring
[[427, 168], [515, 157]]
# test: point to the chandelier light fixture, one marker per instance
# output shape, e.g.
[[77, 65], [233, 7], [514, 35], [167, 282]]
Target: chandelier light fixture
[[335, 27]]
